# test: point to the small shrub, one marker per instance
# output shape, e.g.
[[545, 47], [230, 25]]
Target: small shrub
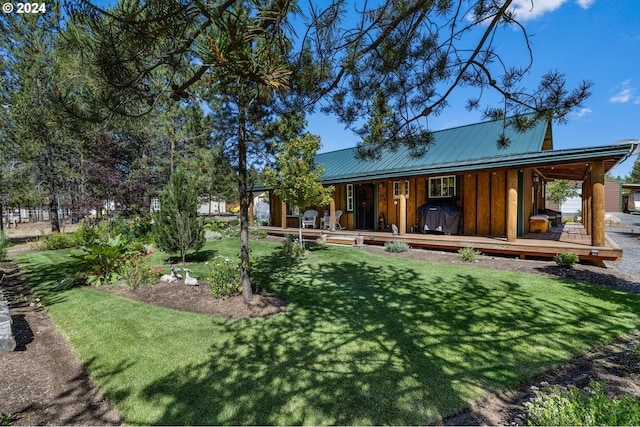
[[214, 224], [212, 235], [102, 262], [566, 259], [6, 419], [468, 254], [292, 248], [225, 277], [135, 271], [4, 245], [56, 240], [156, 271], [85, 235], [396, 247], [557, 405], [256, 232]]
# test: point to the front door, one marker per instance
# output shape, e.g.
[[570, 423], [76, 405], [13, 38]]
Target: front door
[[365, 209]]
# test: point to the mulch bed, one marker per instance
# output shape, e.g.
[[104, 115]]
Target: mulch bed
[[42, 382]]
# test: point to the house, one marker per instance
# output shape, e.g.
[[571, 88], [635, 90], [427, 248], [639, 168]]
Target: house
[[494, 191]]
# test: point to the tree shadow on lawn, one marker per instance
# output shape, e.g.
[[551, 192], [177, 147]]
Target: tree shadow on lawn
[[379, 344], [45, 279], [199, 256]]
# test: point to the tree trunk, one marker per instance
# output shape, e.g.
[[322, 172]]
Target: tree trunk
[[247, 292], [53, 215], [300, 241]]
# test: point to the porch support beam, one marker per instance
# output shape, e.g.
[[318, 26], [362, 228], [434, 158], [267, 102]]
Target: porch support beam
[[597, 200], [283, 216], [251, 219], [403, 215], [332, 215], [512, 205]]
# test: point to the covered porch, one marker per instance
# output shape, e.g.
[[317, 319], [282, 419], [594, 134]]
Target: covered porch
[[564, 237]]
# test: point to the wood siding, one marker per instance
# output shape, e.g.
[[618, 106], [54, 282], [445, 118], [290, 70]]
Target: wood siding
[[481, 197], [484, 201]]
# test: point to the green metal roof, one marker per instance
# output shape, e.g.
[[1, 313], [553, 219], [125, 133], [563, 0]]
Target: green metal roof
[[456, 148], [467, 148]]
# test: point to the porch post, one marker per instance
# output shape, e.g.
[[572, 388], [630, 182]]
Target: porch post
[[251, 219], [283, 215], [402, 221], [597, 203], [587, 189], [512, 205], [332, 215]]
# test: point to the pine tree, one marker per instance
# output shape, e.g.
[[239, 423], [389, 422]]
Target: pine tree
[[177, 227], [33, 127]]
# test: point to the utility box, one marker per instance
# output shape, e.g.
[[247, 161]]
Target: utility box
[[539, 223]]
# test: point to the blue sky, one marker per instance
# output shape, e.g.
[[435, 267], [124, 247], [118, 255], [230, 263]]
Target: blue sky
[[596, 40]]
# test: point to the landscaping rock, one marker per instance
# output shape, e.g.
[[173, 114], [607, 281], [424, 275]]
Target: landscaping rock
[[7, 341]]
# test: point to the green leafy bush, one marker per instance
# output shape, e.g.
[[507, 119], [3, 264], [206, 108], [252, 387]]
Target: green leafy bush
[[85, 235], [292, 247], [396, 247], [468, 254], [56, 240], [218, 225], [103, 262], [136, 271], [137, 228], [256, 232], [4, 245], [560, 406], [566, 259], [224, 276]]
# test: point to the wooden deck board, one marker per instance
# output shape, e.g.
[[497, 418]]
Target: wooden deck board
[[532, 245]]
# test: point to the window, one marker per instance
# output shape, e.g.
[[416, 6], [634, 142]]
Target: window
[[155, 204], [442, 186], [293, 211], [350, 197], [396, 189]]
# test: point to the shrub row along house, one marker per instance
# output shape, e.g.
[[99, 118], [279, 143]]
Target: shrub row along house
[[464, 185]]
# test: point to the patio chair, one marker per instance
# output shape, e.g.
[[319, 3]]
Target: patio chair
[[337, 223], [325, 221], [309, 218]]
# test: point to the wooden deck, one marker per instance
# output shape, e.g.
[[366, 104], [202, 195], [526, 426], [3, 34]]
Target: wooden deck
[[567, 237]]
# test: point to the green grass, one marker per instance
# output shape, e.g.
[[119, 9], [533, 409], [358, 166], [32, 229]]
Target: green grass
[[366, 339]]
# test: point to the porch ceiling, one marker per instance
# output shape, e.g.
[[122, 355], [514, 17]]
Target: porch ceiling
[[573, 171]]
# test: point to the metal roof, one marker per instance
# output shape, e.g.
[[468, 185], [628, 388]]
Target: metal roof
[[473, 148], [452, 148]]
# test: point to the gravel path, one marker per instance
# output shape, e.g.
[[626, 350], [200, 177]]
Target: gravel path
[[624, 229]]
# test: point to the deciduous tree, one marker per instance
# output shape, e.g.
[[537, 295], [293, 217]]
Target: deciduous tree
[[296, 177]]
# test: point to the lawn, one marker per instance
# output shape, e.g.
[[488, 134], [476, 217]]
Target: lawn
[[366, 339]]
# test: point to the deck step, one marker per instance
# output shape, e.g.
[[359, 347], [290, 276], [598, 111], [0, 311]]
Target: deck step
[[342, 240]]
